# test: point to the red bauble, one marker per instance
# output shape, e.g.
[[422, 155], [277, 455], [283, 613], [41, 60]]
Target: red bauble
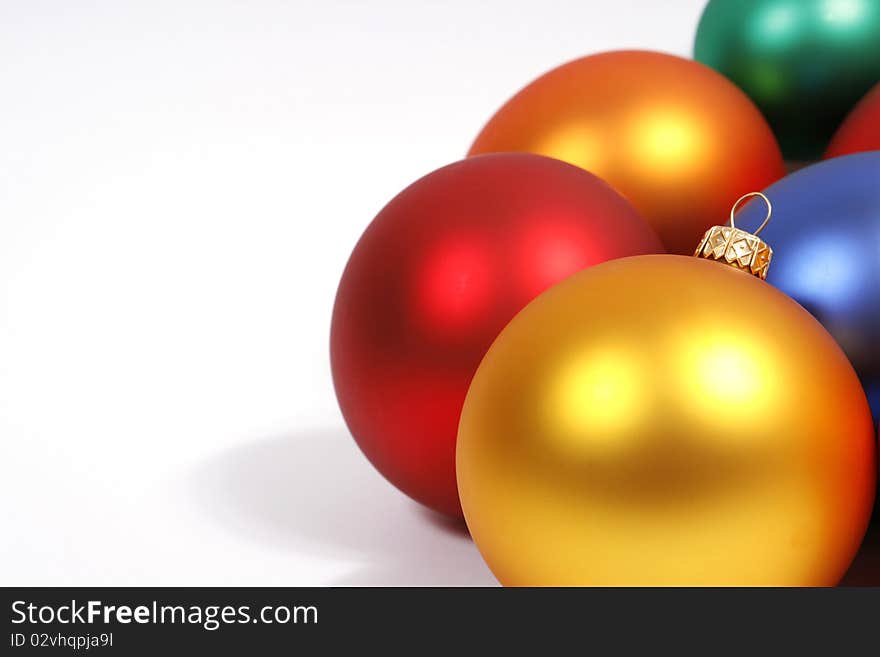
[[433, 280], [860, 131]]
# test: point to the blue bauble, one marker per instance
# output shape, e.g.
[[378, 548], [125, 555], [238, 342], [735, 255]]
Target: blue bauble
[[825, 234]]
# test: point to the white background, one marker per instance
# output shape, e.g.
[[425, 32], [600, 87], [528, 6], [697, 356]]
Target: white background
[[181, 183]]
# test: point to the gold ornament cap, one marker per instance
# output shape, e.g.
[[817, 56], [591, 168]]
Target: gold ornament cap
[[736, 247]]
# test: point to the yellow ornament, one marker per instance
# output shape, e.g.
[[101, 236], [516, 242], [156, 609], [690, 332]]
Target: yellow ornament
[[667, 420]]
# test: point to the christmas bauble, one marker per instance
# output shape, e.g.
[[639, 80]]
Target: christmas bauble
[[436, 276], [804, 62], [677, 139], [829, 224], [860, 130], [666, 420]]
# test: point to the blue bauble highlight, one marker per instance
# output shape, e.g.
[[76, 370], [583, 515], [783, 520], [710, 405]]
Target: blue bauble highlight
[[825, 233]]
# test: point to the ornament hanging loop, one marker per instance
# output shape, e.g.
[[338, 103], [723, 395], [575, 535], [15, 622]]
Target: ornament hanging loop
[[745, 197], [737, 247]]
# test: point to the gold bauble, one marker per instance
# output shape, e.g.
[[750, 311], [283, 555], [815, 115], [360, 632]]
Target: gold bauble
[[666, 420]]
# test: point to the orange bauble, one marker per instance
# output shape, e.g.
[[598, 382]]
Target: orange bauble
[[680, 141]]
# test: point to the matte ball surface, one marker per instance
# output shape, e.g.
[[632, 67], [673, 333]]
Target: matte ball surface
[[860, 130], [677, 139], [666, 420], [804, 62], [433, 280], [826, 234]]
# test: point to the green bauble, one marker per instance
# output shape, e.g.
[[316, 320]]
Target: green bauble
[[805, 63]]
